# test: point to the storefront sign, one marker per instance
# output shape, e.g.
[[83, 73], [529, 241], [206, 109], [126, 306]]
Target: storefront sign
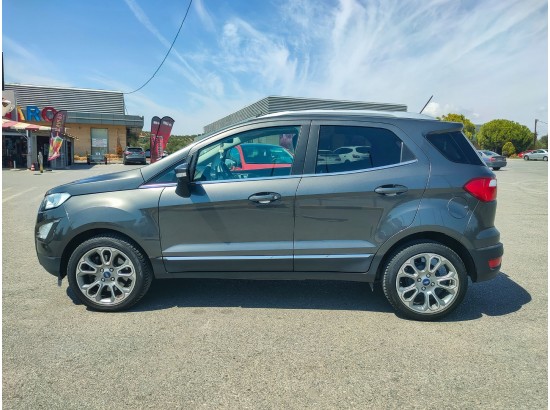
[[33, 113]]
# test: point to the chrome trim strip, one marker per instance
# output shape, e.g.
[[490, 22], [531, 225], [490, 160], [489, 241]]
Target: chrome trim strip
[[343, 256], [216, 258], [261, 257]]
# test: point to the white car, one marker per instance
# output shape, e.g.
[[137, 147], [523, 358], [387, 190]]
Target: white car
[[352, 154], [538, 154]]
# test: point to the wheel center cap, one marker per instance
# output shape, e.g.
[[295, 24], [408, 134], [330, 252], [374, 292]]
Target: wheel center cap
[[425, 281], [107, 274]]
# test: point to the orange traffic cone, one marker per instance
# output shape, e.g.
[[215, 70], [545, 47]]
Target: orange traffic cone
[[32, 166]]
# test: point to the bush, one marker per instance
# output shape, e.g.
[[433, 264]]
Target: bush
[[508, 149]]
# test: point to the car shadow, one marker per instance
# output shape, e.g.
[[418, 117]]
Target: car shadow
[[498, 297]]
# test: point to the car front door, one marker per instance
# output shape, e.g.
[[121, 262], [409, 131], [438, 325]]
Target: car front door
[[235, 220], [346, 210]]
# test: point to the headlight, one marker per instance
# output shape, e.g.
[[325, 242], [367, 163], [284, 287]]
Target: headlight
[[54, 200]]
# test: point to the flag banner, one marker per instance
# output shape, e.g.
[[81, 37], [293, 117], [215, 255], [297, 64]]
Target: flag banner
[[155, 124], [58, 128], [165, 129]]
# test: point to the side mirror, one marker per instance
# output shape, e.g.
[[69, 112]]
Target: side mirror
[[184, 180]]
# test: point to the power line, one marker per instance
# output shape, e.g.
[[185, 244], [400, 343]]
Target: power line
[[166, 56]]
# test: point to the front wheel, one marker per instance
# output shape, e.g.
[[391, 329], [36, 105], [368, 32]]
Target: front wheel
[[425, 281], [108, 273]]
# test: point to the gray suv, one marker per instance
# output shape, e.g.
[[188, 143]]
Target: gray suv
[[414, 212]]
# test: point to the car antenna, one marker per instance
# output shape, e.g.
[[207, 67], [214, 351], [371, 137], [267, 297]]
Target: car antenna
[[426, 104]]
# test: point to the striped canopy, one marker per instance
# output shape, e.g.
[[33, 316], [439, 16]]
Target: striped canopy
[[23, 125]]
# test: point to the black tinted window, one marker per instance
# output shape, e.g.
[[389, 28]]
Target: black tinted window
[[455, 147], [354, 148]]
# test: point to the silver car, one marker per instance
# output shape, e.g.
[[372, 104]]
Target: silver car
[[538, 154], [492, 159]]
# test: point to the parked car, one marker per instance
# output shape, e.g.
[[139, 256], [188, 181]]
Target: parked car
[[492, 159], [350, 154], [148, 153], [96, 158], [538, 154], [134, 155], [521, 154], [417, 217], [327, 157], [255, 157]]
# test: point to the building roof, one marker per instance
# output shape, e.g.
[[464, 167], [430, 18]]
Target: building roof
[[70, 99], [273, 104], [84, 106]]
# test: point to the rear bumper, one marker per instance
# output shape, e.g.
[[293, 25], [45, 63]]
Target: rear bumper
[[481, 259]]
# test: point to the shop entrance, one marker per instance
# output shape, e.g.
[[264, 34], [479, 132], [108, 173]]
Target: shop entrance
[[14, 151]]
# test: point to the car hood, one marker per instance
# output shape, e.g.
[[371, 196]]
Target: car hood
[[117, 181]]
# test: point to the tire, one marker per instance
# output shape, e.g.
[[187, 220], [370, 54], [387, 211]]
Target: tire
[[496, 168], [526, 157], [412, 290], [108, 273], [545, 158]]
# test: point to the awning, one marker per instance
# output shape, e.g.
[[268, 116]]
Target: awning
[[23, 125]]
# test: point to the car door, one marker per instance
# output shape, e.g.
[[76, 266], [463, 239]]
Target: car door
[[346, 211], [235, 220]]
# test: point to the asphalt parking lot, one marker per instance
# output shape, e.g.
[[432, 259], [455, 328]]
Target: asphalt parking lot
[[262, 344]]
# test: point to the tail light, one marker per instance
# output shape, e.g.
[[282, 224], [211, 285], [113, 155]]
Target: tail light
[[492, 159], [484, 189], [127, 152]]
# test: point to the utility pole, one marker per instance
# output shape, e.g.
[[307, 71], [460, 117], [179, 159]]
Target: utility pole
[[535, 136]]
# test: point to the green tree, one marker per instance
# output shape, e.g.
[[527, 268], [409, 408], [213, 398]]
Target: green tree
[[542, 142], [177, 142], [469, 127], [508, 149], [494, 134]]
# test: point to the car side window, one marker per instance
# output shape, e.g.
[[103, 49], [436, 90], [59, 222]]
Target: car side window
[[259, 153], [351, 148]]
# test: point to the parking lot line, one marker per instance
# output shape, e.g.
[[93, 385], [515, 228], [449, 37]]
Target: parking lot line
[[19, 193]]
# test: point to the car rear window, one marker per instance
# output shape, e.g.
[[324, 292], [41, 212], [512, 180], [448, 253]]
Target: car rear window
[[134, 149], [455, 147]]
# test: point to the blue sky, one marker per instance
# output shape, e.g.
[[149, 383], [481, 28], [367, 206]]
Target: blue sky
[[485, 59]]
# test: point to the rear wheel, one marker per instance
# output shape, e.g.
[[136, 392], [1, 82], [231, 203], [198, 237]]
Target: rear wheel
[[526, 157], [108, 273], [425, 281], [545, 159], [496, 168]]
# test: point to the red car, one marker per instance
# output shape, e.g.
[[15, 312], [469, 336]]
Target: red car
[[521, 154], [250, 157]]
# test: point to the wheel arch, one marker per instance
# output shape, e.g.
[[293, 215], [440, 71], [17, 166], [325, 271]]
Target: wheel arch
[[418, 237], [88, 234]]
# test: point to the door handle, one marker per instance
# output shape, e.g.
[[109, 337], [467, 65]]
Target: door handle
[[391, 190], [264, 197]]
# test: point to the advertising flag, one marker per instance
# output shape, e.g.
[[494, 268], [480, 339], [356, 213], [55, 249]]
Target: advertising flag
[[165, 129], [58, 128], [155, 124]]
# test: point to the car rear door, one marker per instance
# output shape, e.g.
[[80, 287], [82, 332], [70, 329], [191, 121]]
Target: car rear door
[[346, 211]]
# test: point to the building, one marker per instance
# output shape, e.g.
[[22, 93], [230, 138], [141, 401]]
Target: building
[[272, 104], [96, 124]]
